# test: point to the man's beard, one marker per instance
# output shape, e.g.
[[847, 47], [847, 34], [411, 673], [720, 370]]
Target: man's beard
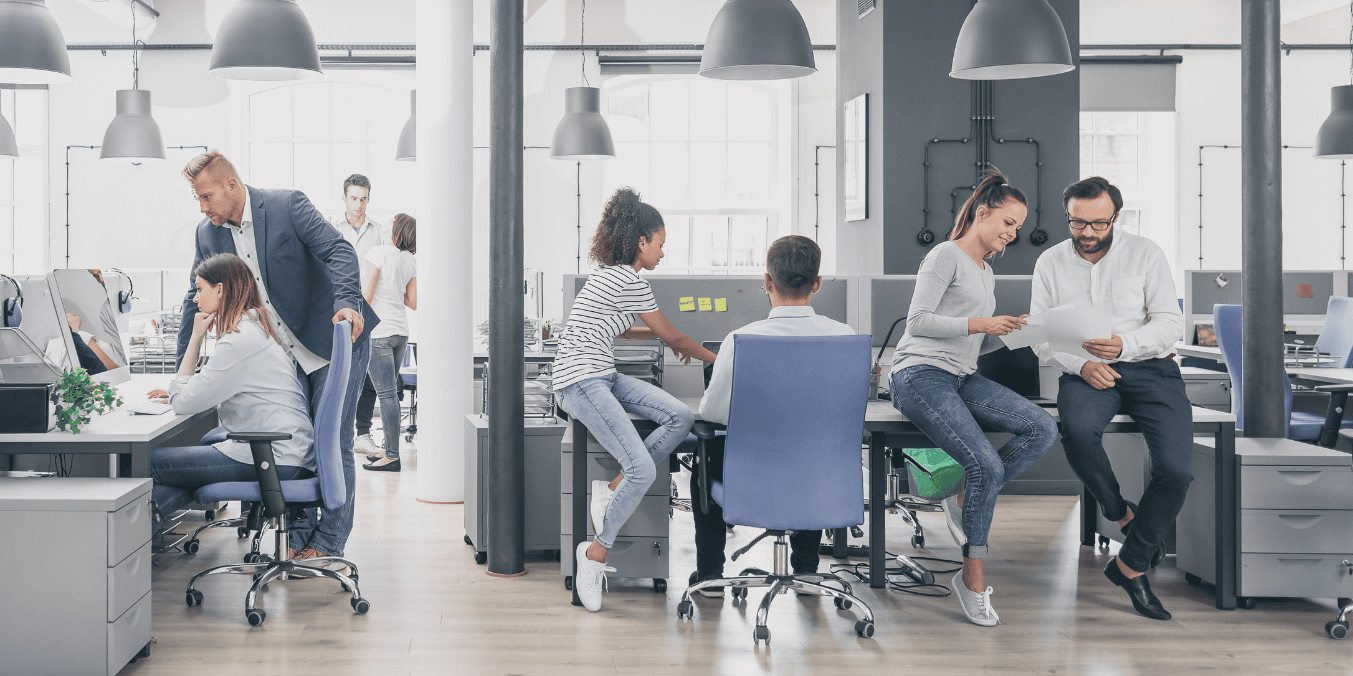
[[1094, 248]]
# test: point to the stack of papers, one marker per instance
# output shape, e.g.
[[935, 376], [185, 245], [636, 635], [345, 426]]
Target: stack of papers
[[1064, 329]]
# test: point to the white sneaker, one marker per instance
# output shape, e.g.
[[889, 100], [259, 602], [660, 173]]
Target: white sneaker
[[601, 500], [976, 606], [363, 445], [953, 517], [589, 578]]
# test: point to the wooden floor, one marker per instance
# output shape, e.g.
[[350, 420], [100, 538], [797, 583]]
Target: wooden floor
[[434, 611]]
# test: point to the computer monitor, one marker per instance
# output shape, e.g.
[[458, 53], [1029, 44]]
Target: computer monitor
[[44, 321], [1015, 369], [89, 313]]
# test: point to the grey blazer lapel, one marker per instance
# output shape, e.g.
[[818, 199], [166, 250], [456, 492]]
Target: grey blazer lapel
[[260, 215]]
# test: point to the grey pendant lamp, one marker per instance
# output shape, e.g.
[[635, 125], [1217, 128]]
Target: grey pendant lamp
[[1334, 141], [1010, 40], [407, 149], [582, 134], [757, 40], [133, 135], [265, 40], [8, 146], [32, 49]]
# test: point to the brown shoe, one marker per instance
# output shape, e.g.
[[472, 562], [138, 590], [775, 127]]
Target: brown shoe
[[312, 553]]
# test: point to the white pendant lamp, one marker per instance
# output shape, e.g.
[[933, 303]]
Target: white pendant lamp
[[757, 40], [1010, 40], [8, 146], [133, 136], [582, 134], [1334, 141], [265, 40], [32, 49], [407, 149]]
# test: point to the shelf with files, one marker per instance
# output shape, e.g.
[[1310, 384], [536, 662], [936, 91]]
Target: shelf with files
[[536, 386]]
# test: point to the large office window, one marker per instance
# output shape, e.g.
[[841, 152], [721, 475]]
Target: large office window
[[23, 184], [311, 136], [1136, 152], [706, 153]]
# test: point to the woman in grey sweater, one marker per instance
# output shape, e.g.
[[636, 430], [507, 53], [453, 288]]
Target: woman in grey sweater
[[936, 385]]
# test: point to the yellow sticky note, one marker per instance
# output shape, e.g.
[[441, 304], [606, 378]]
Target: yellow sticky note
[[721, 305], [686, 304], [705, 305]]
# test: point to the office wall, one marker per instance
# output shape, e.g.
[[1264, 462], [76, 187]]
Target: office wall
[[917, 100], [859, 50]]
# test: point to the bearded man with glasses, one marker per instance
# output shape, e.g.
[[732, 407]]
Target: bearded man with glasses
[[1133, 372]]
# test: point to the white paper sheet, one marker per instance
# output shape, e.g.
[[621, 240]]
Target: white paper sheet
[[1031, 334], [1069, 327]]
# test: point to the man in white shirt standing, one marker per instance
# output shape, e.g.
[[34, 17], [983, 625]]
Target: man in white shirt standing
[[363, 234], [1134, 373]]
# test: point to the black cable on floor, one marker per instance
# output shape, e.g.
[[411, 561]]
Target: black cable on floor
[[860, 571]]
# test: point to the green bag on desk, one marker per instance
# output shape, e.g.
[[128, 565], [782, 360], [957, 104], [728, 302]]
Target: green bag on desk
[[945, 472]]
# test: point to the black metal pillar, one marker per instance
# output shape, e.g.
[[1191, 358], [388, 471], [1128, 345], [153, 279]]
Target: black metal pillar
[[1261, 219], [507, 462]]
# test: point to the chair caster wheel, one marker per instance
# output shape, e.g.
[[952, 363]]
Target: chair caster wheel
[[193, 598], [255, 617], [917, 542], [1246, 602], [360, 606], [1103, 542], [660, 586], [842, 603], [568, 582], [1193, 579], [684, 609], [468, 541], [241, 532], [190, 547], [211, 515], [481, 557], [1336, 630], [251, 557], [864, 629], [761, 634]]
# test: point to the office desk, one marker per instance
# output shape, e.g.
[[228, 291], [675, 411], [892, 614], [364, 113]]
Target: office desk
[[118, 432], [1199, 351]]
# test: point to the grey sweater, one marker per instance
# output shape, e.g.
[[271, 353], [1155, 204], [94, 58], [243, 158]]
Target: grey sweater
[[950, 288]]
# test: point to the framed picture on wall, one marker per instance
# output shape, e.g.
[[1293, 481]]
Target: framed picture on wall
[[855, 159]]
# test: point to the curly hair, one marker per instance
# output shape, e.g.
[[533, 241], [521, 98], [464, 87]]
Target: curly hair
[[624, 220]]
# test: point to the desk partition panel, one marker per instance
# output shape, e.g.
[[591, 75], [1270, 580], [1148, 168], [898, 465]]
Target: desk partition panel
[[886, 298], [1305, 294]]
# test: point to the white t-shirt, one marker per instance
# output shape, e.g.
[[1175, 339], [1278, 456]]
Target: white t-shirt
[[604, 308], [397, 268]]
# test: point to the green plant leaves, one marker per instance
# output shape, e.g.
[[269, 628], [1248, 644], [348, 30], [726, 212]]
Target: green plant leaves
[[79, 397]]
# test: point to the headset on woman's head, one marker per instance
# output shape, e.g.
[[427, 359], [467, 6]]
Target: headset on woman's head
[[12, 314], [124, 298]]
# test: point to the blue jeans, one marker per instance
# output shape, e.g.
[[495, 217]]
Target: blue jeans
[[952, 410], [387, 355], [179, 471], [328, 529], [603, 404]]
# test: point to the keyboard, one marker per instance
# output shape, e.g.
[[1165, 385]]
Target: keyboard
[[149, 407]]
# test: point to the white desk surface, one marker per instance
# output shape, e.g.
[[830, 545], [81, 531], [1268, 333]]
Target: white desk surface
[[1323, 375], [1199, 351], [883, 412], [119, 425]]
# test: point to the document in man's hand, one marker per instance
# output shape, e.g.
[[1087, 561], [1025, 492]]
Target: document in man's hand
[[1069, 327]]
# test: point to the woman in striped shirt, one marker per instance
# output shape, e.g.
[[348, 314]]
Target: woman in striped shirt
[[629, 239]]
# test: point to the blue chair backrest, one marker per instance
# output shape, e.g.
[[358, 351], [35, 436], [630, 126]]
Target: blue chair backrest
[[1336, 339], [795, 424], [1228, 323], [329, 419]]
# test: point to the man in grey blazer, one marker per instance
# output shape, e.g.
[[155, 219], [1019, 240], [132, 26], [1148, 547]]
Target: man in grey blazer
[[305, 270]]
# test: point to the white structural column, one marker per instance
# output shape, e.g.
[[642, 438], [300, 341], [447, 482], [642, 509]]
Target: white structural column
[[445, 41]]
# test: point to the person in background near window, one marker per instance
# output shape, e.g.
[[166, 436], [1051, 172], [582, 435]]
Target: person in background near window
[[936, 385], [1134, 373], [363, 234], [310, 271], [628, 239], [791, 279], [389, 284]]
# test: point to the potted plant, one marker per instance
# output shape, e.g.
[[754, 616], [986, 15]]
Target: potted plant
[[78, 397]]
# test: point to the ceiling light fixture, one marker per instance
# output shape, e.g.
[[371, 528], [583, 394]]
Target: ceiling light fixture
[[133, 135], [407, 149], [265, 40], [32, 49], [757, 40], [8, 146], [582, 134], [1334, 141], [1010, 40]]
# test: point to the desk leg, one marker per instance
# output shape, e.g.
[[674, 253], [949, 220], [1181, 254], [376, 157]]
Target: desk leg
[[140, 461], [1334, 417], [1227, 512], [113, 461], [1089, 512], [579, 498], [878, 578], [841, 543]]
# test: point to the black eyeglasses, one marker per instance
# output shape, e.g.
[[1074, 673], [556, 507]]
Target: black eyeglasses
[[1097, 226]]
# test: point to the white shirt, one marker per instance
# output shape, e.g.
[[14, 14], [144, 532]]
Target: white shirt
[[785, 320], [604, 308], [246, 248], [1133, 276], [253, 386], [369, 235], [396, 269]]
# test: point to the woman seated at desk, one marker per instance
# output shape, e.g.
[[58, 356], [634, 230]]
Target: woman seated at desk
[[250, 381]]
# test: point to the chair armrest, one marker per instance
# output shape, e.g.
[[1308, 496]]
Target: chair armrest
[[706, 430], [1333, 388], [258, 436]]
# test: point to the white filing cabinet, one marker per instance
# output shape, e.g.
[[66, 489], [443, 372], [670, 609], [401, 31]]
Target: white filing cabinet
[[75, 575]]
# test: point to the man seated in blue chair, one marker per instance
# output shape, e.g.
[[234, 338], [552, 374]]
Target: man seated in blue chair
[[791, 279]]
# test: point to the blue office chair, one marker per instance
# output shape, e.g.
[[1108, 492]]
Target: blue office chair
[[285, 500], [1301, 426], [1336, 338], [408, 382], [791, 458]]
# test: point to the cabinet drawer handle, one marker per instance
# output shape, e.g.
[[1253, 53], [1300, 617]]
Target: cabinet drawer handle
[[1299, 478], [1300, 521]]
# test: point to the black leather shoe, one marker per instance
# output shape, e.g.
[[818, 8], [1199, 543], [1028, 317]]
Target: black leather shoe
[[1139, 592], [388, 467], [1157, 557]]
